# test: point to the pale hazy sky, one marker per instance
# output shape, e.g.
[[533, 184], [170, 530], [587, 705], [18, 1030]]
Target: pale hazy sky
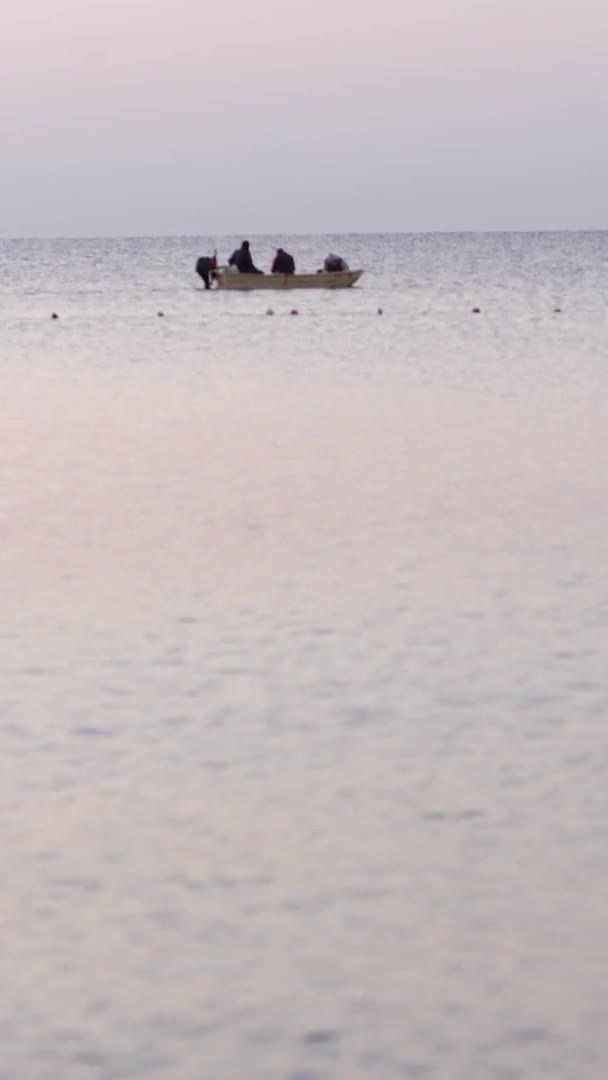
[[198, 116]]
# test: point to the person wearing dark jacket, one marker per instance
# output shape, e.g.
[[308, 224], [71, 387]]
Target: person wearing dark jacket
[[206, 267], [283, 263], [241, 258]]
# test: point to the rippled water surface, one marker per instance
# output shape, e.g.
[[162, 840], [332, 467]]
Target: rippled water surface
[[304, 663]]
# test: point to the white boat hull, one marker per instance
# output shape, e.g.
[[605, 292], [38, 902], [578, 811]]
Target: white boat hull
[[339, 279]]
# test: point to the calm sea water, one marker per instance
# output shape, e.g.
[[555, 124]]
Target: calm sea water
[[304, 663]]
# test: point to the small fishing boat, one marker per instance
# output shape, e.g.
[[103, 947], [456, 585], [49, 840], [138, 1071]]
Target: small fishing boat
[[335, 279]]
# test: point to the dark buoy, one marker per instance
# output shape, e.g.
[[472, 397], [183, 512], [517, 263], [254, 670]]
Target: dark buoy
[[269, 311], [54, 315], [161, 314], [557, 310], [294, 311], [380, 311], [476, 311]]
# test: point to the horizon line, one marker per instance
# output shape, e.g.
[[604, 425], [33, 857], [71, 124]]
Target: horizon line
[[302, 235]]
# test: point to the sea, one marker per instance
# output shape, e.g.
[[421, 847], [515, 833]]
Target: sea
[[304, 662]]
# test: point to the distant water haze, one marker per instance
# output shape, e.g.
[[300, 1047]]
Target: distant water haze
[[181, 118]]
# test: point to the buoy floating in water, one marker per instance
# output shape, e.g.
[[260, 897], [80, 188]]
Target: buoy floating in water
[[557, 310], [294, 311], [160, 314], [476, 311], [54, 315], [380, 311], [269, 311]]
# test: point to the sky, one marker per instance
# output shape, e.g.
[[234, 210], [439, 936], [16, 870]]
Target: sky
[[201, 117]]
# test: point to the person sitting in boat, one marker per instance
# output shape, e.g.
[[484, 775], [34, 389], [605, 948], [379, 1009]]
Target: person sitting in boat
[[335, 263], [206, 267], [283, 263], [241, 258]]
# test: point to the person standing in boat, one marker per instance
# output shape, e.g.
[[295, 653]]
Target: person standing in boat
[[206, 267], [283, 263], [241, 258]]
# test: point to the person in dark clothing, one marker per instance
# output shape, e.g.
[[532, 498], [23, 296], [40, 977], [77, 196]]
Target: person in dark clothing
[[206, 267], [283, 263], [241, 258]]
